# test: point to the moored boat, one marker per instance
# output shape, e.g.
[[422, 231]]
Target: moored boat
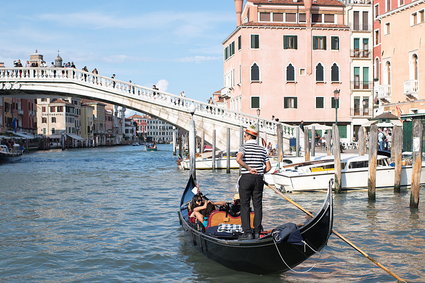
[[204, 161], [315, 175], [262, 255], [7, 155]]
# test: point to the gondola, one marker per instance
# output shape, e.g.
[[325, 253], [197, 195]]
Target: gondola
[[263, 255]]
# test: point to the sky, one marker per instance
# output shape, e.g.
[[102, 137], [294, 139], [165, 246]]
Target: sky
[[176, 45]]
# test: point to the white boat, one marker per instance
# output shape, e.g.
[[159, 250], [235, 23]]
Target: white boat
[[315, 175], [7, 155], [204, 161]]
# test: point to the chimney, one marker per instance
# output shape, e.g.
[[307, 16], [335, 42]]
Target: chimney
[[307, 6], [238, 7]]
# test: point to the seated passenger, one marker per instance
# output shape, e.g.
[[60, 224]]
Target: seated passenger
[[201, 208]]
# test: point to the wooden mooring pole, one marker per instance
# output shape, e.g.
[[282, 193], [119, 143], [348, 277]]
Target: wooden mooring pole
[[279, 132], [313, 141], [361, 141], [297, 141], [337, 158], [396, 152], [228, 151], [214, 148], [417, 162], [306, 146], [328, 142], [373, 150]]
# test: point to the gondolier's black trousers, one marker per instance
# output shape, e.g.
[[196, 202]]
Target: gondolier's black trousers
[[251, 187]]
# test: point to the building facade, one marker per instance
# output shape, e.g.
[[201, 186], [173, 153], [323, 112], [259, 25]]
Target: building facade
[[398, 54], [291, 60], [359, 17]]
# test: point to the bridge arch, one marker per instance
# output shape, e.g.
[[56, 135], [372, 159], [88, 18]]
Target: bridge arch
[[174, 109]]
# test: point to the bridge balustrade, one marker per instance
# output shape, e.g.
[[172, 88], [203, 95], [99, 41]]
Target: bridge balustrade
[[131, 90]]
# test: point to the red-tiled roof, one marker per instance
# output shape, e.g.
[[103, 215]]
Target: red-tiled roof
[[293, 25], [299, 2]]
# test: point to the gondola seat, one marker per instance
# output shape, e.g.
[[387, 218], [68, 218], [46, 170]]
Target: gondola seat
[[222, 217]]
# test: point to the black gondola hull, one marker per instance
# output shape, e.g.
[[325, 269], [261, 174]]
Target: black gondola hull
[[262, 256]]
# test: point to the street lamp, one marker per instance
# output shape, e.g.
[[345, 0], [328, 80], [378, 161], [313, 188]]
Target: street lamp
[[336, 98]]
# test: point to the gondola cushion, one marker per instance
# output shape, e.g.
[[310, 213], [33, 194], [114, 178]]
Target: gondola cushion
[[222, 233], [289, 233]]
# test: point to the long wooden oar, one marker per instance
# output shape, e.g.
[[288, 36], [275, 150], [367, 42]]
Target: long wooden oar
[[339, 236]]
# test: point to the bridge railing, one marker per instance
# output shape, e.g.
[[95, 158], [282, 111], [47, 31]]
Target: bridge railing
[[131, 90]]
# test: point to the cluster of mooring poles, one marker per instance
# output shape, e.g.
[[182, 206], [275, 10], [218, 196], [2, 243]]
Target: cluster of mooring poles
[[396, 156], [417, 129]]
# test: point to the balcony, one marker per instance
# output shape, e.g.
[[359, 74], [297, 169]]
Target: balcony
[[383, 92], [360, 27], [361, 85], [411, 88], [360, 53]]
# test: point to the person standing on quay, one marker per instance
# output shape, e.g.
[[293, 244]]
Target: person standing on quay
[[254, 163]]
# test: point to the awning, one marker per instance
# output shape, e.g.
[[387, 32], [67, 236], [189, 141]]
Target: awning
[[318, 127], [24, 135], [75, 137]]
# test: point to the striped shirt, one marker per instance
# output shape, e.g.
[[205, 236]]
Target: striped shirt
[[254, 155]]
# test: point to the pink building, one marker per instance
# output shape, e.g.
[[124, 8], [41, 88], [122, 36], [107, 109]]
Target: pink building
[[399, 52], [287, 58]]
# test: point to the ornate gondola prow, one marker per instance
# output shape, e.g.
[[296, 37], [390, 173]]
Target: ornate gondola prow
[[188, 191]]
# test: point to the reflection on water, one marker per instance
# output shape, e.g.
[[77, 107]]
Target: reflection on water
[[108, 214]]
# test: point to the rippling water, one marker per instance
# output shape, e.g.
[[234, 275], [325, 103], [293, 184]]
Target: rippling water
[[109, 214]]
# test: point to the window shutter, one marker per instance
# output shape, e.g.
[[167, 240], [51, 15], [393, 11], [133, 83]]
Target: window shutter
[[295, 42], [314, 42], [285, 42], [295, 102]]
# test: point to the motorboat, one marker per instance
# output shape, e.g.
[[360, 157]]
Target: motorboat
[[315, 175], [8, 155]]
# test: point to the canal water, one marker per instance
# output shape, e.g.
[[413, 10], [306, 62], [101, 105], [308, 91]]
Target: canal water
[[110, 214]]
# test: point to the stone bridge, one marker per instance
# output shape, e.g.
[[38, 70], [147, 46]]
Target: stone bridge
[[174, 109]]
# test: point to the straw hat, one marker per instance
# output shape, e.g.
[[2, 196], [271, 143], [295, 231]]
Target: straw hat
[[252, 130], [236, 196]]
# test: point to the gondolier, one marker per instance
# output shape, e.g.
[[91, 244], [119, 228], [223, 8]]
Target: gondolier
[[254, 163]]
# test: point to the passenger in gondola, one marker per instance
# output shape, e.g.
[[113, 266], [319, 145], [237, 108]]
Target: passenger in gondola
[[201, 208]]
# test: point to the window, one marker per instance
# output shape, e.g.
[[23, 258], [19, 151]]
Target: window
[[43, 109], [335, 73], [376, 69], [53, 131], [319, 73], [387, 28], [290, 102], [356, 20], [356, 109], [316, 18], [320, 102], [356, 77], [334, 102], [319, 42], [400, 2], [376, 10], [52, 109], [415, 67], [365, 20], [290, 17], [290, 42], [255, 72], [277, 17], [365, 77], [376, 37], [301, 17], [60, 108], [53, 119], [334, 42], [329, 18], [388, 73], [44, 131], [44, 99], [422, 16], [43, 120], [264, 16], [239, 42], [255, 41], [290, 73], [255, 102], [387, 5]]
